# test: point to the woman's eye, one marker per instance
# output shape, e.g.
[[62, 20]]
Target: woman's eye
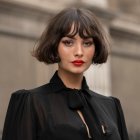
[[68, 42], [88, 43]]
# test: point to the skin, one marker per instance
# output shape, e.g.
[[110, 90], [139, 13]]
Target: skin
[[69, 50]]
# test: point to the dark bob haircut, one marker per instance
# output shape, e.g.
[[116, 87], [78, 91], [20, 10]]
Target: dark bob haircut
[[85, 24]]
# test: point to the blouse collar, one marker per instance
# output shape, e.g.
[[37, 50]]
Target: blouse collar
[[58, 85]]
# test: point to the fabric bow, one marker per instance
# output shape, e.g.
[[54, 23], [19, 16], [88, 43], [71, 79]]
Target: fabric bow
[[75, 99]]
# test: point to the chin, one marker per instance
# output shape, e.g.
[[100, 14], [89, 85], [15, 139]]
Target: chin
[[78, 71]]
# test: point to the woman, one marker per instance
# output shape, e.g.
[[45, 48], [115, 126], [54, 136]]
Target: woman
[[65, 108]]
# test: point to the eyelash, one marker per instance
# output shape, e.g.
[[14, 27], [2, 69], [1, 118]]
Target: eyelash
[[70, 43], [89, 43], [67, 42]]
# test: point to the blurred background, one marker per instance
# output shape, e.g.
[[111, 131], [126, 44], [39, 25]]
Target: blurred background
[[23, 21]]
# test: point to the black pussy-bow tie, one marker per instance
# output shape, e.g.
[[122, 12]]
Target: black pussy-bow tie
[[76, 99]]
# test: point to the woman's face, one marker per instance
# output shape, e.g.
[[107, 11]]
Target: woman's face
[[76, 54]]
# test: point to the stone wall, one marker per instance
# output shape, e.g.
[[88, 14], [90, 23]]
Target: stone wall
[[125, 68]]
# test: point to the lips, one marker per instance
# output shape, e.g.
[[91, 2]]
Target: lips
[[78, 62]]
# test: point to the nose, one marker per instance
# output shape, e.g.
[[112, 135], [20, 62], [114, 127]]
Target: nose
[[78, 51]]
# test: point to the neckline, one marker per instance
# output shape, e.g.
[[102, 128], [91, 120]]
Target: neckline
[[60, 85]]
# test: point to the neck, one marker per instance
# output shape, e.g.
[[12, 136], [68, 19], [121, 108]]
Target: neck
[[71, 80]]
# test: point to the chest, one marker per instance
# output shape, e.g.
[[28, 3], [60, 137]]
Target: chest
[[59, 122]]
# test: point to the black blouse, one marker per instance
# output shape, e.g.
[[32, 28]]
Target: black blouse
[[49, 112]]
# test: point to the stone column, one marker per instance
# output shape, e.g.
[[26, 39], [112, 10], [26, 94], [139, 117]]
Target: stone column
[[125, 67]]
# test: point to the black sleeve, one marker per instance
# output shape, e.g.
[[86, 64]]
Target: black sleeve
[[19, 122], [121, 120]]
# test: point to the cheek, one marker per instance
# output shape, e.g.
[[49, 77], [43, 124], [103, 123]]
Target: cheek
[[91, 53], [62, 51], [63, 55]]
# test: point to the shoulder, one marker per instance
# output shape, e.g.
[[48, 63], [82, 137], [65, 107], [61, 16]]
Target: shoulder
[[20, 95], [109, 104], [99, 96], [31, 96], [41, 89], [104, 99], [46, 88]]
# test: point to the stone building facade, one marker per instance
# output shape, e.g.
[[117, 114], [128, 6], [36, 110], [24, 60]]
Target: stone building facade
[[23, 21]]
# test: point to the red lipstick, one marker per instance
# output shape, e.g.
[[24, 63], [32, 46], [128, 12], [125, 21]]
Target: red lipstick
[[78, 62]]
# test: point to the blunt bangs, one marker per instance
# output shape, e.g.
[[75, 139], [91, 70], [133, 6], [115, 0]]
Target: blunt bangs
[[80, 24]]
